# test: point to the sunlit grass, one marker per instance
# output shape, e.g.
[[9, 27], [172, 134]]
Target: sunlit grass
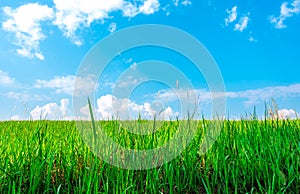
[[249, 156]]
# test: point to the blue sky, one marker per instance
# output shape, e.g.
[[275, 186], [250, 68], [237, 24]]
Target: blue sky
[[255, 44]]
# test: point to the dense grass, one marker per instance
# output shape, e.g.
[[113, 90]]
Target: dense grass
[[249, 156]]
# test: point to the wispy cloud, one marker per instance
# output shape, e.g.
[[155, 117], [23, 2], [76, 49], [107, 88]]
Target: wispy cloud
[[129, 81], [183, 2], [262, 94], [249, 97], [286, 11], [25, 23], [25, 96], [6, 80], [65, 84]]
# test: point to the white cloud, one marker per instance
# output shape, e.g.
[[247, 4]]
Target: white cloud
[[186, 2], [112, 27], [51, 111], [232, 15], [133, 66], [181, 94], [129, 81], [287, 114], [267, 93], [16, 118], [6, 80], [149, 7], [109, 106], [106, 85], [242, 25], [25, 23], [66, 84], [286, 11], [166, 9], [176, 2], [25, 96], [252, 39], [69, 16], [168, 113], [183, 2], [72, 15], [146, 7], [251, 96], [130, 10]]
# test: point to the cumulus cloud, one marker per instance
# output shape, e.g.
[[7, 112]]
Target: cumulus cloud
[[51, 111], [287, 114], [25, 23], [232, 15], [16, 118], [6, 80], [71, 15], [149, 7], [286, 10], [66, 84], [109, 106], [168, 113], [242, 25], [129, 9]]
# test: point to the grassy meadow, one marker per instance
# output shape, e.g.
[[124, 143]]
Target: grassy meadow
[[249, 156]]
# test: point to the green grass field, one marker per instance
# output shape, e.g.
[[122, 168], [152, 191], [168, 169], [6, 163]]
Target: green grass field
[[249, 156]]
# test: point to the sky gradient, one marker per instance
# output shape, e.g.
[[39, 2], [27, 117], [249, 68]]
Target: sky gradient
[[255, 44]]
